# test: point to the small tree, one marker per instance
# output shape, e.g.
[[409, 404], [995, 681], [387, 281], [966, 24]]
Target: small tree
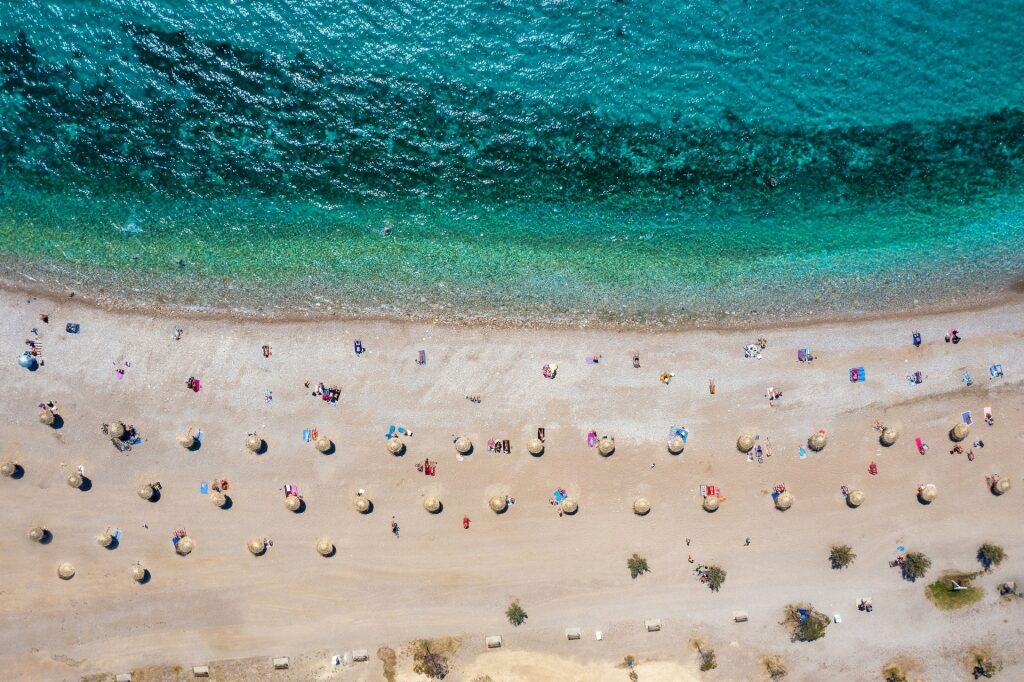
[[430, 663], [706, 655], [983, 665], [893, 673], [915, 565], [841, 556], [807, 624], [774, 667], [637, 566], [715, 576], [990, 555], [515, 613]]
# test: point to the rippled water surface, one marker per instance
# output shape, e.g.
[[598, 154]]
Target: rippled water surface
[[650, 161]]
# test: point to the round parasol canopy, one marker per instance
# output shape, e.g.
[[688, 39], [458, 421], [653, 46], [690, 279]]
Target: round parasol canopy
[[711, 503], [855, 498], [606, 446], [1001, 486], [323, 443], [535, 446], [396, 446], [432, 504], [497, 504], [8, 468], [361, 503], [817, 441], [676, 445], [46, 417], [66, 571], [292, 503], [36, 533], [75, 480], [463, 445], [641, 506], [745, 443], [253, 443], [146, 491], [138, 573], [116, 429], [257, 546], [324, 547], [959, 432], [186, 440], [217, 499], [889, 436], [569, 506], [104, 539], [928, 493], [185, 546], [784, 501]]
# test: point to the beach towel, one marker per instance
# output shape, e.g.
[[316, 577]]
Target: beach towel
[[117, 535], [559, 496], [917, 338], [966, 417], [204, 488], [421, 357], [995, 371], [919, 443], [72, 327], [592, 360], [680, 431], [174, 541], [802, 453], [306, 435], [199, 436], [703, 490], [391, 431], [591, 439]]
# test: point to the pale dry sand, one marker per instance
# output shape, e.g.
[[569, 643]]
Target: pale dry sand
[[438, 579]]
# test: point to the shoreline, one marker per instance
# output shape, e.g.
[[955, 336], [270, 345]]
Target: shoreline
[[1010, 295]]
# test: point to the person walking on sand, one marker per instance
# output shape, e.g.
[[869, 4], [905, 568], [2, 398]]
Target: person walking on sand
[[394, 527], [465, 522], [746, 542]]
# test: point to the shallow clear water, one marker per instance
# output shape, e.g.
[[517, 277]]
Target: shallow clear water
[[545, 160]]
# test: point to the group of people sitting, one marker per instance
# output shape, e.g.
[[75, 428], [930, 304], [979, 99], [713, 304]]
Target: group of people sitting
[[329, 394], [495, 445]]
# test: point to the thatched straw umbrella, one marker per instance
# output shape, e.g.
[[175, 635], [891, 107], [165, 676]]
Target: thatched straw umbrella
[[105, 539], [324, 547], [711, 503], [855, 498], [115, 429], [257, 546], [784, 501], [641, 506], [463, 445], [46, 417], [745, 443], [75, 479], [606, 446], [361, 504], [185, 546], [396, 446], [569, 506], [146, 491], [497, 504], [292, 503], [535, 447], [959, 432], [187, 441], [322, 443], [432, 504], [1001, 486], [254, 443], [676, 445], [8, 468], [66, 571], [217, 499], [36, 533], [928, 493], [138, 573], [889, 437], [817, 442]]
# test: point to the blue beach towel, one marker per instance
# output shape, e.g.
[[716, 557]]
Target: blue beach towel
[[802, 453], [391, 431], [307, 435], [204, 488], [559, 496]]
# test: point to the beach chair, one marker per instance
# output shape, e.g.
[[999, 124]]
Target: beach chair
[[357, 346], [995, 371], [421, 357], [917, 339]]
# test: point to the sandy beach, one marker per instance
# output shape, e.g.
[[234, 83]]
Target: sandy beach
[[438, 579]]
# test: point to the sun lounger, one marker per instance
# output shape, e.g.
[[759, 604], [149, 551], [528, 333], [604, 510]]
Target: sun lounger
[[653, 625], [995, 371], [493, 642]]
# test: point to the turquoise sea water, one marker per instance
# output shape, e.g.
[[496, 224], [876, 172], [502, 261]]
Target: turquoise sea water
[[651, 161]]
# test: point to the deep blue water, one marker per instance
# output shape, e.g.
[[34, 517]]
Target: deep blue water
[[556, 160]]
